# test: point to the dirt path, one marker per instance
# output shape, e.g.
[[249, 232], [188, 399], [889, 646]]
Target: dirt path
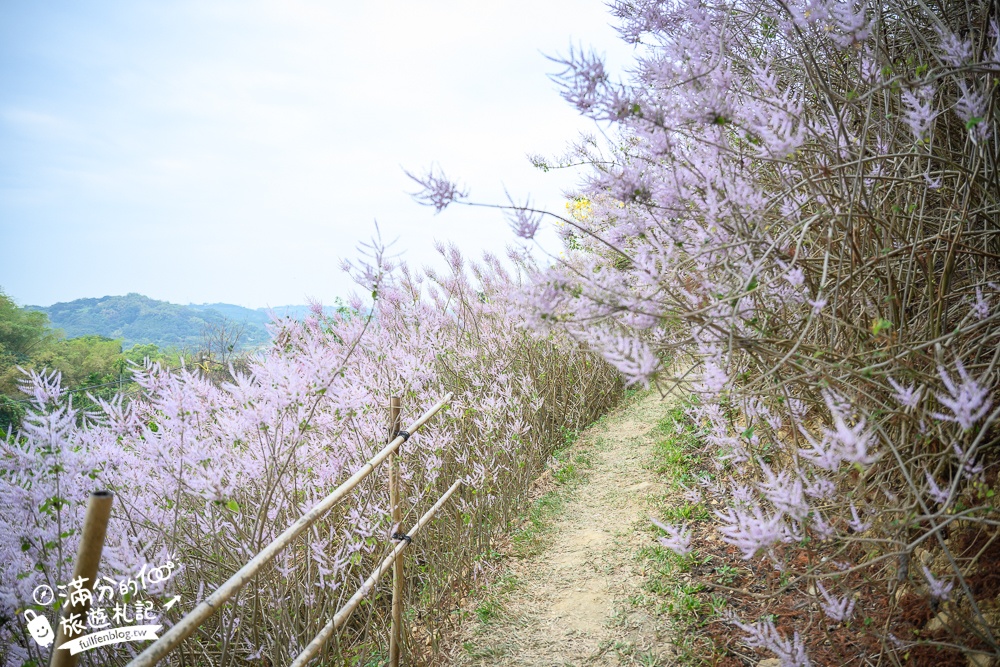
[[570, 604]]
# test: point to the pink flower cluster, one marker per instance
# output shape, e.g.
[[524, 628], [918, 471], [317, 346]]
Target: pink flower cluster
[[206, 474], [774, 224]]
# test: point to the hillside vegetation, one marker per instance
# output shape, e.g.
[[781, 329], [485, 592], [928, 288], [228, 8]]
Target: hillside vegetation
[[90, 366], [96, 343], [135, 319]]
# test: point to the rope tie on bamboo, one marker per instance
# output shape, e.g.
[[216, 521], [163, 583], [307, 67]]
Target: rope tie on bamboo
[[400, 537], [405, 434]]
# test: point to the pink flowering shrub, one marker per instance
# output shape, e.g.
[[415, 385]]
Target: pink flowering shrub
[[206, 474], [801, 198]]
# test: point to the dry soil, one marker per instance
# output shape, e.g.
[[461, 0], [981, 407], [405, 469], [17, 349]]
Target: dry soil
[[571, 601]]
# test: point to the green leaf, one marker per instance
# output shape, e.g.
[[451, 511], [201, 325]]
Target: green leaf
[[880, 325], [233, 505], [972, 122]]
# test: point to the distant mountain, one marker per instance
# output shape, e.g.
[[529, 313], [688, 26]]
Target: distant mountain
[[135, 318], [234, 313], [297, 312], [259, 316]]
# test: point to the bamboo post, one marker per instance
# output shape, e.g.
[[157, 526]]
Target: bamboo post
[[95, 528], [395, 408]]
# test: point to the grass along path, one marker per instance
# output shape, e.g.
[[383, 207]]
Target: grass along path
[[574, 592]]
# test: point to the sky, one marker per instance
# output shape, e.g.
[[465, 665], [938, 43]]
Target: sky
[[236, 151]]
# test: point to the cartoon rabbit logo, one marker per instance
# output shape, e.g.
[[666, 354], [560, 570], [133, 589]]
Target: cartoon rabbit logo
[[39, 627]]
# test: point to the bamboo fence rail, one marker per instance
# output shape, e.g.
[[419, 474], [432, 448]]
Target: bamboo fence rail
[[324, 635], [93, 541]]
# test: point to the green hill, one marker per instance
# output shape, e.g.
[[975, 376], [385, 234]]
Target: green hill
[[259, 316], [137, 319]]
